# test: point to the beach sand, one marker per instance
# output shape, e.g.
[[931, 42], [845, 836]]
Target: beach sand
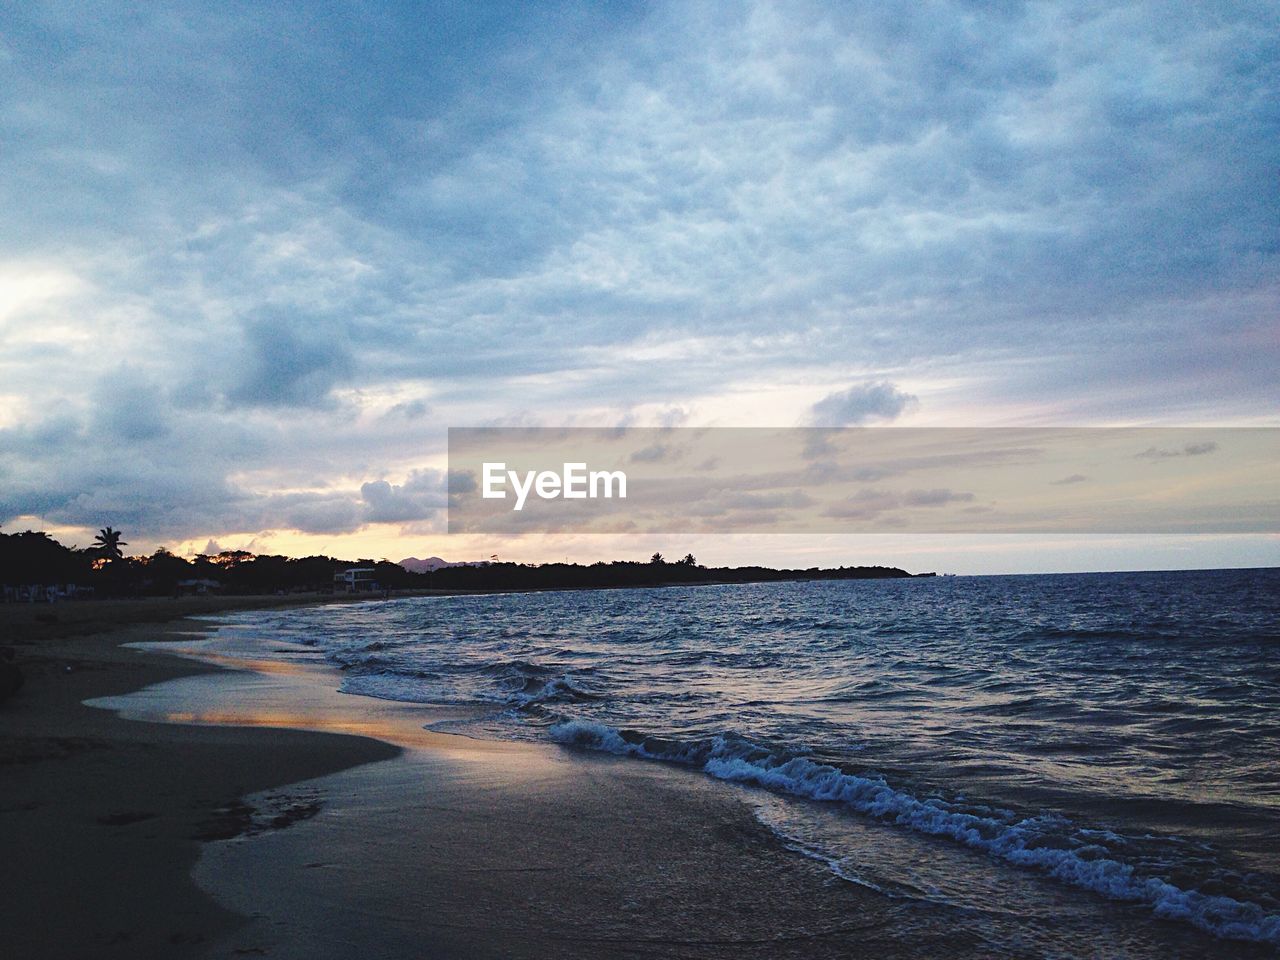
[[246, 808], [447, 847], [101, 818]]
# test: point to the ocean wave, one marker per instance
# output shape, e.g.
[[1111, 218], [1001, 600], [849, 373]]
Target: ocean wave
[[399, 687], [1047, 843], [524, 684], [554, 690]]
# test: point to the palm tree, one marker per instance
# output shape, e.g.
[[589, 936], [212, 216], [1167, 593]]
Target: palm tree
[[108, 543]]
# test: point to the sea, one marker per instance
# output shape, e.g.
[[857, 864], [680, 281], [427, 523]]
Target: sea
[[1113, 737]]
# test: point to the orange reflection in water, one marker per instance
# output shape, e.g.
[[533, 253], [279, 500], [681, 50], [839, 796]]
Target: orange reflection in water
[[242, 663], [300, 696], [295, 720]]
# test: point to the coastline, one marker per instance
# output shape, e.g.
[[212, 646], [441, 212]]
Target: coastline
[[107, 817], [102, 818], [251, 821]]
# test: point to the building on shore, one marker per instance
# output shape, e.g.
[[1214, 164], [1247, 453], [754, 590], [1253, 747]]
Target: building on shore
[[355, 580]]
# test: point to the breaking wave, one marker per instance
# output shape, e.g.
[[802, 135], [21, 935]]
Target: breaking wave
[[1047, 843]]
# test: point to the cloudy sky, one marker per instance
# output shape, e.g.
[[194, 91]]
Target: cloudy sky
[[255, 259]]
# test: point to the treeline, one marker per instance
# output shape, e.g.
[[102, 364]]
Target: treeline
[[35, 566], [35, 560], [627, 573]]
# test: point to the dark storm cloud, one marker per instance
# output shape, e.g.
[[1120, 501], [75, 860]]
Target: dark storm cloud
[[128, 408], [288, 363]]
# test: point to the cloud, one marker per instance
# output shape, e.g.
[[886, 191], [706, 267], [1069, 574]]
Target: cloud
[[654, 453], [420, 497], [462, 482], [934, 498], [288, 364], [1066, 481], [1189, 450], [128, 407], [314, 512], [409, 409], [570, 210], [863, 505], [789, 499], [1199, 449], [869, 503], [861, 403]]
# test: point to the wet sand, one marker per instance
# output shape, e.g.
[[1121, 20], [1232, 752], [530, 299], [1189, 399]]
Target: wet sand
[[448, 847], [465, 848], [101, 818], [214, 804]]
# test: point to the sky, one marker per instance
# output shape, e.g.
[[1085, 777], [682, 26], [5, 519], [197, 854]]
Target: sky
[[256, 259]]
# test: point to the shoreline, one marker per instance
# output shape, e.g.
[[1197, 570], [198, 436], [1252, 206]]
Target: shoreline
[[112, 817], [102, 818], [210, 804]]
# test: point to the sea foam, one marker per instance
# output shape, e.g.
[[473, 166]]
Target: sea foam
[[1047, 843]]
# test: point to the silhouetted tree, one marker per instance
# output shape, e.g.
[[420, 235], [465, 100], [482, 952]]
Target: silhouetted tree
[[38, 558], [657, 558], [232, 558], [163, 570], [108, 543], [688, 560]]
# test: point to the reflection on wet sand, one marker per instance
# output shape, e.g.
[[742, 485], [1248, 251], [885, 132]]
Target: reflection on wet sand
[[289, 695], [491, 849]]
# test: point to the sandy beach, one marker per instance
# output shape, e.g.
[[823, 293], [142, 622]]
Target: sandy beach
[[102, 817], [453, 848], [197, 797]]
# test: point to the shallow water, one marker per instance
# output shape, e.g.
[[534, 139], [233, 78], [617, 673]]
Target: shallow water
[[1114, 735]]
